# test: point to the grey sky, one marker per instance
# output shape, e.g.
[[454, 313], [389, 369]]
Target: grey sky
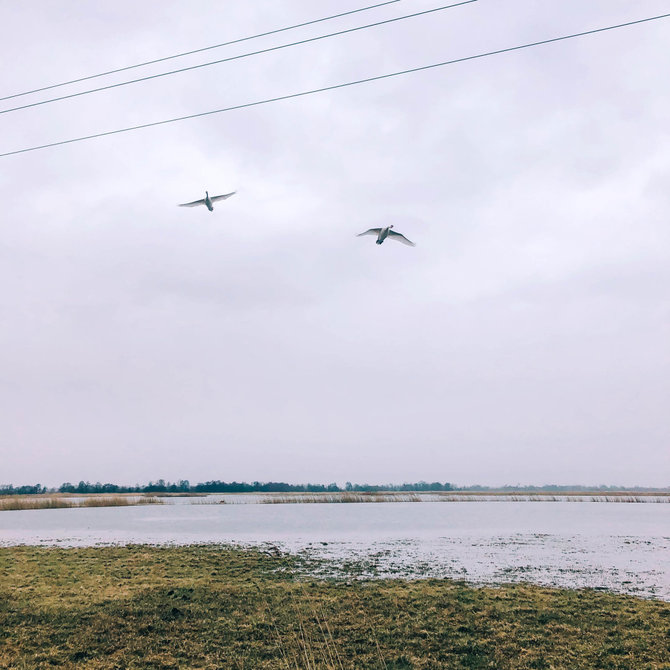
[[525, 338]]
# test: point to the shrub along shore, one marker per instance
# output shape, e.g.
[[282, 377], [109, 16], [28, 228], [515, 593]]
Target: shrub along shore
[[222, 607]]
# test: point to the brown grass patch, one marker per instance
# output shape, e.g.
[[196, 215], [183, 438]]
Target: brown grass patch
[[219, 607], [14, 503], [345, 497]]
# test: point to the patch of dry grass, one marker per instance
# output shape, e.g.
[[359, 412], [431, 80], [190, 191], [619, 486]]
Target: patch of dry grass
[[336, 497], [119, 501], [12, 503], [18, 503], [550, 497]]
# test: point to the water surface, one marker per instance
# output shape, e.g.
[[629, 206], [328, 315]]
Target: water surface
[[622, 547]]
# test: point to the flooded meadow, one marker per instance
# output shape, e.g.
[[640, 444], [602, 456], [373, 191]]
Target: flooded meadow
[[564, 541]]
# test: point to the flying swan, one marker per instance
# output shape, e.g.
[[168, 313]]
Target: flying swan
[[209, 202], [383, 233]]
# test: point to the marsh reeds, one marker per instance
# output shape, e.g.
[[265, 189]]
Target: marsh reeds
[[439, 496], [345, 497], [13, 503], [119, 501], [547, 497], [58, 501], [16, 503]]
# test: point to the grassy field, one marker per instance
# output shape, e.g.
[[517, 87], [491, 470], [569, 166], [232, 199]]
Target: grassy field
[[214, 607]]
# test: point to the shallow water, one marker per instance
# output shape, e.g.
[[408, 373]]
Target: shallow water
[[621, 547]]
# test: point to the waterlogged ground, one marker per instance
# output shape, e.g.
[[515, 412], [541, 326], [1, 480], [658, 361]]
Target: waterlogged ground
[[207, 606], [624, 548], [630, 565]]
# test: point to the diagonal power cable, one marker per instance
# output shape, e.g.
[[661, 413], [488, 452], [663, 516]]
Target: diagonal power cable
[[238, 57], [337, 86], [195, 51]]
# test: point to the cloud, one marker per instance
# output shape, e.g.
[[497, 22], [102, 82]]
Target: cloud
[[523, 339]]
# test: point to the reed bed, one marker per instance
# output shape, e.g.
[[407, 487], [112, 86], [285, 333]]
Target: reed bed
[[544, 497], [59, 501], [13, 503], [438, 496], [603, 499], [119, 501], [347, 497], [16, 503]]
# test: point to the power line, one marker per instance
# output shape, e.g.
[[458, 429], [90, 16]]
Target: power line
[[240, 56], [195, 51], [337, 86]]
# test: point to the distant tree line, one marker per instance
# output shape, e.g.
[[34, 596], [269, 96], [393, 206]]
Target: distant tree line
[[216, 486], [8, 490]]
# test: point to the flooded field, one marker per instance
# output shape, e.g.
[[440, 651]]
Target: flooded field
[[620, 547]]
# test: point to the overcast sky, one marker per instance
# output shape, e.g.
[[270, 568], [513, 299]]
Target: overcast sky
[[526, 338]]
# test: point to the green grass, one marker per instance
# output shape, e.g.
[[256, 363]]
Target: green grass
[[216, 607]]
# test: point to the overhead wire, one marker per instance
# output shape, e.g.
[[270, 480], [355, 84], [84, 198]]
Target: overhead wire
[[195, 51], [338, 86], [240, 56]]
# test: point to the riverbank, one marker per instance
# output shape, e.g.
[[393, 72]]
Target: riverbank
[[213, 607]]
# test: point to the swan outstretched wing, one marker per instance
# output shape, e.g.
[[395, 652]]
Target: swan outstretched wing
[[214, 198], [372, 231], [400, 238], [195, 203]]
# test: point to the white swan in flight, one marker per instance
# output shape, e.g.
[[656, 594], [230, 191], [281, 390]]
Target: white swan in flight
[[207, 201], [383, 233]]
